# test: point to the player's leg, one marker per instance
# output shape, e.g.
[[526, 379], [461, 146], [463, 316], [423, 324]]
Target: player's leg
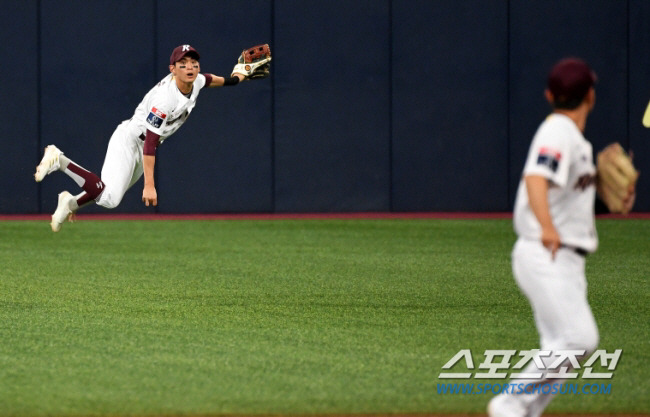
[[562, 315], [556, 290], [122, 167], [53, 160], [531, 396], [89, 182], [69, 204]]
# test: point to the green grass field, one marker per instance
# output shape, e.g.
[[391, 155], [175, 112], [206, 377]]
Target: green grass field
[[141, 318]]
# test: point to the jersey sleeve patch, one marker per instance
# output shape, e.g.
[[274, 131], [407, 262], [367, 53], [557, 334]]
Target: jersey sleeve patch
[[549, 158], [156, 117]]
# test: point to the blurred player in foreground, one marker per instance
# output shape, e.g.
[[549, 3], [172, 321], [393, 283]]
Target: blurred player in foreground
[[132, 148], [555, 223]]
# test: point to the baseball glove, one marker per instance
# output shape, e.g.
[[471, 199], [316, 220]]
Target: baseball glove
[[254, 63], [616, 178]]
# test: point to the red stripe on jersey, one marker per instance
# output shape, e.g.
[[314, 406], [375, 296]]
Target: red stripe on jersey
[[158, 113], [551, 152]]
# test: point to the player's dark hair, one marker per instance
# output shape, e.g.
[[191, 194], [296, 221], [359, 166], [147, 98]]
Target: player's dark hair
[[569, 104]]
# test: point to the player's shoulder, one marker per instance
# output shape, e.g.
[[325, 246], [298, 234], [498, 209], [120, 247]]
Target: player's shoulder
[[557, 128], [164, 83], [163, 92], [200, 81], [556, 121]]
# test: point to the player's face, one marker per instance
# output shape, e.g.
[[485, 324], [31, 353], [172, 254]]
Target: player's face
[[186, 69]]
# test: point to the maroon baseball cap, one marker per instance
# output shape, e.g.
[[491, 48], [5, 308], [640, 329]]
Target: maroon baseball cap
[[182, 50], [570, 79]]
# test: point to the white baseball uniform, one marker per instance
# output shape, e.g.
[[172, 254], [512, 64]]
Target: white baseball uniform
[[162, 111], [556, 288]]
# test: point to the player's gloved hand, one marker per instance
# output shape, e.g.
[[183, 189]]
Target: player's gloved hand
[[616, 178], [254, 63], [149, 196]]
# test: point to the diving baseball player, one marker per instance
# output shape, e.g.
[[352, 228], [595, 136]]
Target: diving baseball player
[[132, 147], [555, 224]]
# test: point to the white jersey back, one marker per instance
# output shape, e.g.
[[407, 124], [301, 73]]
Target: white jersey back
[[164, 109], [560, 153]]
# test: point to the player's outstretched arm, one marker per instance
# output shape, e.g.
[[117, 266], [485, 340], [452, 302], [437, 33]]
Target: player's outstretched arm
[[216, 81]]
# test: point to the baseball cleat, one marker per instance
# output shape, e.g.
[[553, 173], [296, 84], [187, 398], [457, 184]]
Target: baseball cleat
[[63, 211], [498, 408], [49, 163]]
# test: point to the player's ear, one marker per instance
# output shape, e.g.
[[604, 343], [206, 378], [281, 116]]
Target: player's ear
[[171, 68], [549, 96], [591, 97]]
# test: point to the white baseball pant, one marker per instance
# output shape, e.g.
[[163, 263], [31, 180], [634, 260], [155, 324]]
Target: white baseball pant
[[557, 292], [123, 165]]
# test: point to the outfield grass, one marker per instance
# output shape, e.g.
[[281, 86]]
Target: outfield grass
[[117, 318]]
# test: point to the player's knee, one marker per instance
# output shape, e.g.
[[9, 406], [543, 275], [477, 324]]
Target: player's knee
[[109, 200], [586, 340], [107, 204], [590, 343]]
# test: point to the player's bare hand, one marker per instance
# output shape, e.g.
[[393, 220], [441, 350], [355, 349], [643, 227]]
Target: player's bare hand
[[551, 240], [149, 196]]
